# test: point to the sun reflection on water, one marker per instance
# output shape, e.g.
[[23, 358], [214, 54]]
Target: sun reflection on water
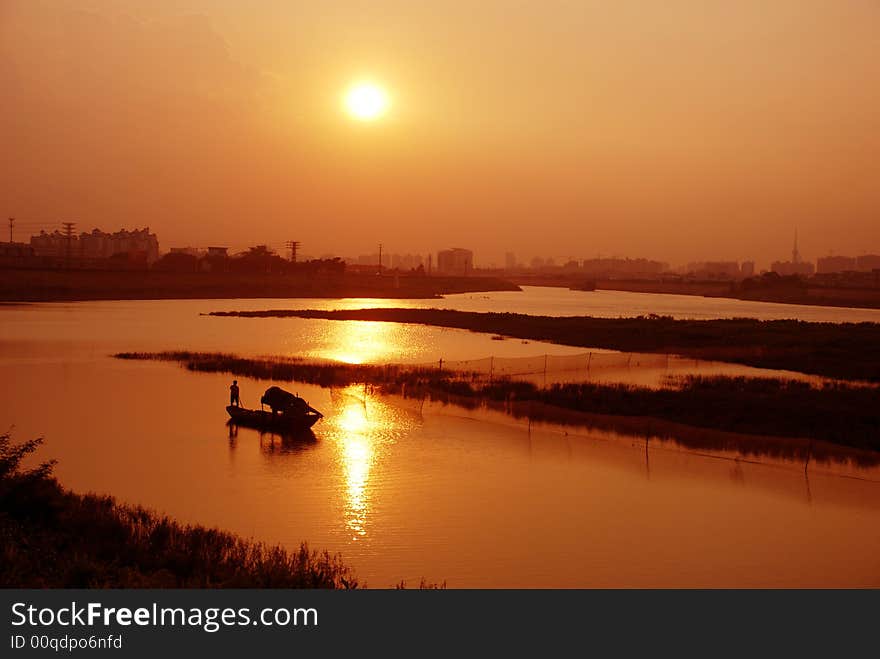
[[364, 428], [363, 342], [362, 425], [357, 459]]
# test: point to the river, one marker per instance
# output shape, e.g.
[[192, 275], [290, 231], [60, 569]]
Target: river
[[406, 490]]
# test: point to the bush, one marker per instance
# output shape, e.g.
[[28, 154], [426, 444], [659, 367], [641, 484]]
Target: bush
[[53, 538]]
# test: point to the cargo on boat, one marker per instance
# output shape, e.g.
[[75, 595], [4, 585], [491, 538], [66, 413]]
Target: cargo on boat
[[289, 413]]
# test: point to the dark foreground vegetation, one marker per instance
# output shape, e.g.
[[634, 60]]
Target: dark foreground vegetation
[[839, 414], [53, 538], [849, 351], [25, 285]]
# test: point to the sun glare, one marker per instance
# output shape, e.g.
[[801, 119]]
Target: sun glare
[[366, 101]]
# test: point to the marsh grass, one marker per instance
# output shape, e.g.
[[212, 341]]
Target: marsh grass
[[838, 413], [849, 351], [53, 538]]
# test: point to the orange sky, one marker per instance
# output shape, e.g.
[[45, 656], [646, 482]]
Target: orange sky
[[678, 130]]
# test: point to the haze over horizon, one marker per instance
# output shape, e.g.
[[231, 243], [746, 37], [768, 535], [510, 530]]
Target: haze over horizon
[[688, 131]]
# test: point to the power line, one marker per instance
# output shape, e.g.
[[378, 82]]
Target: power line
[[11, 224], [293, 246], [68, 233]]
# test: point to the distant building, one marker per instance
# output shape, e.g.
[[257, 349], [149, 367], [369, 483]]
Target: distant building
[[455, 261], [189, 251], [367, 259], [715, 269], [16, 254], [835, 264], [137, 244], [216, 259], [101, 245], [864, 263], [747, 269], [784, 268], [868, 262], [54, 244], [406, 261], [794, 267], [16, 249], [510, 261], [365, 263], [617, 268]]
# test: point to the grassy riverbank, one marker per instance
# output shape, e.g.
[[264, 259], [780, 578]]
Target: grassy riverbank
[[26, 285], [53, 538], [849, 351], [809, 294], [838, 414]]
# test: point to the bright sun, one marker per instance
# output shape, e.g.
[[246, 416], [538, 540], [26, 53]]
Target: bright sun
[[366, 101]]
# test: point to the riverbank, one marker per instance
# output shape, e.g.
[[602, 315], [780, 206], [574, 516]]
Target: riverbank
[[54, 538], [809, 294], [837, 414], [848, 351], [27, 285]]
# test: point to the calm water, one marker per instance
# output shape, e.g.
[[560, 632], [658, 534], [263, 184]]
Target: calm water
[[547, 301], [406, 491], [94, 329]]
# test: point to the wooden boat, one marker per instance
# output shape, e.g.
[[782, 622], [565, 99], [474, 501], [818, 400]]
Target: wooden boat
[[282, 422]]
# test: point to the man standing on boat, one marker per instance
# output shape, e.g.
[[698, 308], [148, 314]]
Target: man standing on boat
[[233, 394]]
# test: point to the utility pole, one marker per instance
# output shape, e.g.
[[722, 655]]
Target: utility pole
[[380, 258], [68, 233], [11, 224], [293, 246]]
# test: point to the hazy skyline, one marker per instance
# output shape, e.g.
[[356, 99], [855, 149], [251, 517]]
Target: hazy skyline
[[688, 131]]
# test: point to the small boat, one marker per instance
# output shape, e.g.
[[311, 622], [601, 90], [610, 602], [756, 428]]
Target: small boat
[[281, 422]]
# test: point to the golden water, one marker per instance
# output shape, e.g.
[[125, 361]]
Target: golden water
[[406, 490]]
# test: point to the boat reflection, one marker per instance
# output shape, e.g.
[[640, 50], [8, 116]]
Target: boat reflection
[[275, 442]]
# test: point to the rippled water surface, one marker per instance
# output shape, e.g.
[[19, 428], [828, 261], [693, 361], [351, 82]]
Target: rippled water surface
[[408, 489]]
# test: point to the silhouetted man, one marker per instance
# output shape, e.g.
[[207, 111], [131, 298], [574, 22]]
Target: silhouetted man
[[233, 394]]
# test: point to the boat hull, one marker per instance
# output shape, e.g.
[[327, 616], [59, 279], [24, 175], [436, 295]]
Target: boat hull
[[263, 420]]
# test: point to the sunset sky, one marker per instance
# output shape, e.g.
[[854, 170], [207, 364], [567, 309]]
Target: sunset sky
[[678, 130]]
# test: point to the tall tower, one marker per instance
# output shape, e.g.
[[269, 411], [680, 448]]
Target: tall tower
[[68, 234], [795, 254], [293, 246]]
